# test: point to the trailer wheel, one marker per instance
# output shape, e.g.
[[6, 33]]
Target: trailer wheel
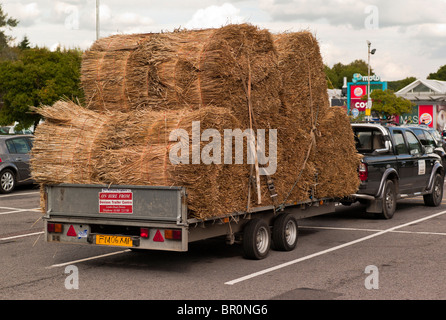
[[256, 239], [285, 233]]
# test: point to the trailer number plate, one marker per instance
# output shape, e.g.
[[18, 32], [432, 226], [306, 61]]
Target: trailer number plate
[[114, 240]]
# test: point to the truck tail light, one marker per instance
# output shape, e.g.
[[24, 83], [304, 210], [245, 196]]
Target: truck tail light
[[363, 172]]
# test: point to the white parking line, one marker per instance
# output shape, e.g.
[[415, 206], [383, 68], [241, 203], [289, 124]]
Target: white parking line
[[286, 264], [87, 259], [21, 236], [15, 210], [373, 230], [18, 194]]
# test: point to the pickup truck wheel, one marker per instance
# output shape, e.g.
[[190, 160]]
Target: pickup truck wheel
[[285, 232], [256, 239], [389, 200], [434, 199]]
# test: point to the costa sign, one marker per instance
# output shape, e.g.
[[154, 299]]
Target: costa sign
[[361, 105], [356, 93]]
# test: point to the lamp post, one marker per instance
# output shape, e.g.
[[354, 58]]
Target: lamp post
[[97, 20], [369, 99]]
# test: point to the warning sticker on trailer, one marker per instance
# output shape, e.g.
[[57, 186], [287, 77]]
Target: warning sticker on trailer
[[118, 201]]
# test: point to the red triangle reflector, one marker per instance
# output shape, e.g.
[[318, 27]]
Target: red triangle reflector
[[71, 232], [158, 237]]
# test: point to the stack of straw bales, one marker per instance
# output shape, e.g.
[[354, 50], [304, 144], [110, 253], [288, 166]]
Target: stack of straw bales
[[139, 88]]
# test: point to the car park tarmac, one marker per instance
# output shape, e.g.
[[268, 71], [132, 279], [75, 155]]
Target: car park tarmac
[[345, 255]]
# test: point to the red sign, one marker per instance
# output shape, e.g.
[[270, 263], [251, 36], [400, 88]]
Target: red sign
[[356, 92], [116, 201], [426, 115]]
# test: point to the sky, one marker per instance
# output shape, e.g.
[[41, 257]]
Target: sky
[[409, 35]]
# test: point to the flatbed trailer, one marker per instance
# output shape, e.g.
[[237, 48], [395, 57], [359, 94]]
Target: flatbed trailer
[[156, 218]]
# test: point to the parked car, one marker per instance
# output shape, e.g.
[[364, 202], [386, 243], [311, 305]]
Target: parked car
[[395, 166], [428, 140], [437, 136], [14, 161], [14, 130]]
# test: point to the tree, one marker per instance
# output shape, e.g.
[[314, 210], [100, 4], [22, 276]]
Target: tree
[[439, 75], [6, 23], [400, 84], [37, 77], [387, 104], [337, 73], [24, 44]]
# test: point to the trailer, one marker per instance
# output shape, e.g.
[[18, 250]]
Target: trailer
[[156, 218]]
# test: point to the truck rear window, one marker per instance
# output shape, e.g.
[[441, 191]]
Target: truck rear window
[[368, 140]]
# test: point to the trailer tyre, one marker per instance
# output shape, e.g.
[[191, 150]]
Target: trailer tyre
[[256, 239], [285, 233]]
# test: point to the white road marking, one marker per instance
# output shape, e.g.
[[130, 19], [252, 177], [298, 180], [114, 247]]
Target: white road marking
[[374, 230], [21, 236], [286, 264], [16, 210], [87, 259], [18, 194]]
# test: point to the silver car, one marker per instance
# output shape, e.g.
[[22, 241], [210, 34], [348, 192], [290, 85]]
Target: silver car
[[14, 161]]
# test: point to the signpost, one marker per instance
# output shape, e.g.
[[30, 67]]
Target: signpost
[[358, 88]]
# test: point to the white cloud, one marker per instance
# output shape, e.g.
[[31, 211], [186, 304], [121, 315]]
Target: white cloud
[[353, 12], [410, 38], [27, 14], [115, 21], [215, 16]]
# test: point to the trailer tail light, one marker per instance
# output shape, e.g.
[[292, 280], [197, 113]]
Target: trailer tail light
[[363, 172], [144, 232], [174, 234], [54, 227]]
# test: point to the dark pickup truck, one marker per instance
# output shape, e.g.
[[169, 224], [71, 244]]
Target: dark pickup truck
[[395, 166]]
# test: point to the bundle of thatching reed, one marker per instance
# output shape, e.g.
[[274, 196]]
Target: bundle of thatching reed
[[76, 145], [65, 144], [336, 157], [140, 88], [110, 76], [186, 69]]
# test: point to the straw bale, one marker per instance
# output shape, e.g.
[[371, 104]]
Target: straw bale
[[304, 102], [119, 42], [145, 160], [337, 160], [142, 88], [186, 69], [65, 144], [110, 75]]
